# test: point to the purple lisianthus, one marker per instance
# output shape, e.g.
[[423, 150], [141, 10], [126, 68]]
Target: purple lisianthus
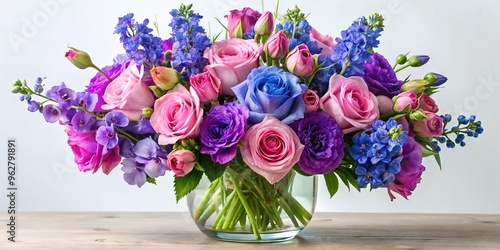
[[323, 141], [380, 77], [270, 91], [221, 130], [99, 83], [411, 170]]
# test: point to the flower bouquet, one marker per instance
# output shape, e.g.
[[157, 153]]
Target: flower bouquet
[[256, 116]]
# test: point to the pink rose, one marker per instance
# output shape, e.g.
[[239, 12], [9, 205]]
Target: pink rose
[[271, 149], [89, 154], [384, 104], [349, 101], [325, 42], [311, 99], [300, 61], [428, 104], [265, 24], [128, 93], [232, 60], [240, 22], [177, 115], [431, 126], [206, 85], [181, 162], [277, 46], [405, 99]]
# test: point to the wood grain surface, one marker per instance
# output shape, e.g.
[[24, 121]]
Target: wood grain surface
[[154, 230]]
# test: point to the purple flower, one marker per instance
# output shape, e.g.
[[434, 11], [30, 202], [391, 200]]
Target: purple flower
[[51, 113], [116, 118], [221, 130], [411, 170], [149, 153], [107, 137], [33, 106], [142, 127], [99, 83], [86, 100], [133, 172], [82, 121], [323, 141], [380, 77]]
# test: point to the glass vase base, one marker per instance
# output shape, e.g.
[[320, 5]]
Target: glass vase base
[[266, 237]]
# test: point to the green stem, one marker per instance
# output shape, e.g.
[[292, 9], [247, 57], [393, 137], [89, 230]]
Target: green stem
[[233, 208], [206, 198], [209, 211], [404, 67], [102, 72], [237, 216], [249, 211], [126, 135], [288, 211]]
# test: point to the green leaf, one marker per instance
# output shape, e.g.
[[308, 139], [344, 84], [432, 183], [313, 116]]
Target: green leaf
[[151, 180], [351, 176], [184, 185], [332, 183], [299, 170], [427, 152], [343, 178]]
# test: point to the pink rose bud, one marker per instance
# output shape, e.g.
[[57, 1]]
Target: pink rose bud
[[165, 78], [240, 22], [265, 24], [300, 61], [311, 99], [206, 85], [277, 46], [428, 104], [431, 126], [181, 162], [405, 101], [79, 58]]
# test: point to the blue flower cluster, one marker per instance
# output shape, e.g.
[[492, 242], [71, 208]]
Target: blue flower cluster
[[135, 35], [189, 42], [469, 127], [354, 47], [377, 153], [301, 36], [321, 79]]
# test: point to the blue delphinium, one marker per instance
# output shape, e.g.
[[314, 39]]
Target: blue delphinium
[[300, 33], [189, 42], [377, 153], [355, 45], [466, 127], [138, 42]]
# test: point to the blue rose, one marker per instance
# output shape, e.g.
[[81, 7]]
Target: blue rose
[[270, 91]]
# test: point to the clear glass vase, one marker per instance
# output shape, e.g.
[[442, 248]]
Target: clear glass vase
[[242, 206]]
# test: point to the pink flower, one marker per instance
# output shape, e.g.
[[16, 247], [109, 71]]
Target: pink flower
[[405, 99], [384, 104], [177, 115], [265, 24], [311, 99], [206, 85], [325, 42], [277, 45], [428, 104], [79, 58], [232, 60], [300, 61], [89, 154], [431, 126], [128, 93], [240, 22], [181, 162], [349, 101], [411, 170], [271, 149]]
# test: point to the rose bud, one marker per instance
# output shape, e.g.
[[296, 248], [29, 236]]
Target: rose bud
[[405, 101], [79, 58], [300, 61], [206, 85], [277, 46], [431, 126], [265, 24], [165, 78], [181, 162], [311, 99], [240, 22], [428, 104]]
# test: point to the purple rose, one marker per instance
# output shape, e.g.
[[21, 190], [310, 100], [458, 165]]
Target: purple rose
[[380, 77], [323, 141], [270, 91], [221, 130], [411, 170], [99, 83]]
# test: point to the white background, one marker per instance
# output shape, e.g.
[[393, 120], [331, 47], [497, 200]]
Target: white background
[[461, 38]]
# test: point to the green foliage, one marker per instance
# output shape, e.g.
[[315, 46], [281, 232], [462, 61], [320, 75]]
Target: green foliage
[[184, 185], [345, 174], [151, 180], [213, 170]]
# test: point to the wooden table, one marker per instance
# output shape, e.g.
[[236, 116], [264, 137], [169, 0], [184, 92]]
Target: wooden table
[[107, 230]]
